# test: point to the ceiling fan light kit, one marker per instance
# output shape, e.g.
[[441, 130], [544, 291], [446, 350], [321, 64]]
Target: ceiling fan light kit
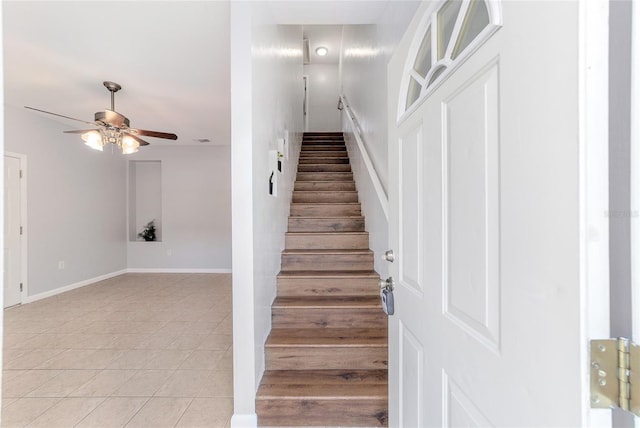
[[113, 128]]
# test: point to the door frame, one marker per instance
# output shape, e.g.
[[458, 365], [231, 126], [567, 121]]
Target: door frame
[[635, 176], [593, 143], [23, 221]]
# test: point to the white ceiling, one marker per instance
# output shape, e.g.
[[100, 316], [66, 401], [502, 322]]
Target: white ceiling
[[171, 58], [329, 36]]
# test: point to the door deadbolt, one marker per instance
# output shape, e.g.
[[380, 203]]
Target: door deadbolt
[[388, 256]]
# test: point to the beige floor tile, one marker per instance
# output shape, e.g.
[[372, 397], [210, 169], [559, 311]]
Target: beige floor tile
[[184, 383], [14, 340], [103, 384], [67, 360], [114, 412], [157, 341], [143, 383], [66, 413], [10, 374], [126, 341], [167, 359], [27, 381], [25, 410], [33, 359], [118, 342], [226, 362], [132, 359], [219, 384], [187, 341], [99, 359], [160, 412], [217, 342], [225, 326], [8, 401], [207, 412], [63, 384], [202, 359]]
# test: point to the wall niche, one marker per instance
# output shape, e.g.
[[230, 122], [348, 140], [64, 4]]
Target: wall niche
[[145, 197]]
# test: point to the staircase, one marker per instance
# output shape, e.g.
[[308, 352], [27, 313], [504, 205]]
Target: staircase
[[326, 356]]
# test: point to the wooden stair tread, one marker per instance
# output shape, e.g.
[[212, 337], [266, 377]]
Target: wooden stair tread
[[325, 377], [319, 302], [329, 274], [309, 391], [327, 337], [327, 252]]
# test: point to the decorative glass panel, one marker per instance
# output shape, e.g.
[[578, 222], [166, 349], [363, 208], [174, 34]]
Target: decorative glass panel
[[423, 59], [413, 93], [447, 16], [436, 74], [476, 20]]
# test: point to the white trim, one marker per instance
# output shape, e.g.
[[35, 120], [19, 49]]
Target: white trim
[[593, 138], [24, 240], [60, 290], [176, 270], [635, 175], [244, 421], [373, 174]]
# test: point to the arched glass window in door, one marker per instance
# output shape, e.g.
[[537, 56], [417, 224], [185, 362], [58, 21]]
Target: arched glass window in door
[[448, 34]]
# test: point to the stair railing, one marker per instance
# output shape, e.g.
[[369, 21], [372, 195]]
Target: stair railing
[[343, 105]]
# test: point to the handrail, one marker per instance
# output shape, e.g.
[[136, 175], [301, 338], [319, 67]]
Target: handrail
[[373, 174]]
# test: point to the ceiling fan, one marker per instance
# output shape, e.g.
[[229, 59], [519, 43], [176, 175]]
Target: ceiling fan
[[113, 128]]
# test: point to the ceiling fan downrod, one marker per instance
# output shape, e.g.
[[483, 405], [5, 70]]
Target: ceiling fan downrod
[[113, 88]]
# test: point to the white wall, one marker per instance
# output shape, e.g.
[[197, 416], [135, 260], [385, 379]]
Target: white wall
[[196, 210], [76, 203], [323, 90], [366, 50], [266, 85]]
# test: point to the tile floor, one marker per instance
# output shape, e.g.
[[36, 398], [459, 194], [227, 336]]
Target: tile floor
[[138, 350]]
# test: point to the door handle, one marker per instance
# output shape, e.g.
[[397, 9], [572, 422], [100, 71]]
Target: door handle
[[386, 284], [386, 295], [388, 256]]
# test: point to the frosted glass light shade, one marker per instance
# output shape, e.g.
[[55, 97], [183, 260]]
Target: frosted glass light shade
[[93, 139], [129, 145]]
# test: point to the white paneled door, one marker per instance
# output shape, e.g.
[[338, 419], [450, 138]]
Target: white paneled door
[[484, 167], [12, 232]]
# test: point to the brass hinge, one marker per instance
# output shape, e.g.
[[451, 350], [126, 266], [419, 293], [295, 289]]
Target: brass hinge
[[615, 374]]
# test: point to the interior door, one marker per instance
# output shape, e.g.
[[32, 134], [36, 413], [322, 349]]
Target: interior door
[[12, 236], [484, 171]]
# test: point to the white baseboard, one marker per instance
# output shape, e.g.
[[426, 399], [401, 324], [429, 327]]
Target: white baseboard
[[244, 421], [51, 293], [176, 270]]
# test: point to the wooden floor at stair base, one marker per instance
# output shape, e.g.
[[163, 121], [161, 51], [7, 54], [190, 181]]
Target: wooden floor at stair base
[[335, 397]]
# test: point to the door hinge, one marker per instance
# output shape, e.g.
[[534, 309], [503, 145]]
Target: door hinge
[[615, 374], [20, 230], [20, 173], [21, 287]]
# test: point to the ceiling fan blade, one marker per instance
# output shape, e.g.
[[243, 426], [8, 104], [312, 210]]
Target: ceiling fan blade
[[112, 118], [60, 115], [139, 140], [78, 131], [155, 134]]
